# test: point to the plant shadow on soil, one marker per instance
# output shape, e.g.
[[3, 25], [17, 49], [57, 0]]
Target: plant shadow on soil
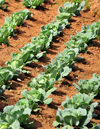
[[97, 109], [3, 102], [31, 19], [95, 43], [18, 0], [15, 84], [17, 32], [42, 8], [76, 68], [49, 2], [37, 124], [33, 65], [54, 105], [97, 112]]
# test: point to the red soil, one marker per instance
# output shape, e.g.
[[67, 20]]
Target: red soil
[[24, 34]]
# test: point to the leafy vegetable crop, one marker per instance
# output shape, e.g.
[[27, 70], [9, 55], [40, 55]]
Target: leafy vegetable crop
[[78, 100], [81, 39], [2, 2], [91, 86], [55, 70], [43, 85], [35, 50], [72, 8], [11, 22], [77, 112], [33, 3], [83, 102], [71, 117]]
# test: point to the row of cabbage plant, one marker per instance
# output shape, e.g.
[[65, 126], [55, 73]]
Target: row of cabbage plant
[[43, 86], [2, 2], [11, 22], [33, 3], [79, 110], [27, 3], [35, 50]]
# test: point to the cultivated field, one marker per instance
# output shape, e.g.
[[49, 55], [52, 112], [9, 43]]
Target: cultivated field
[[61, 74]]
